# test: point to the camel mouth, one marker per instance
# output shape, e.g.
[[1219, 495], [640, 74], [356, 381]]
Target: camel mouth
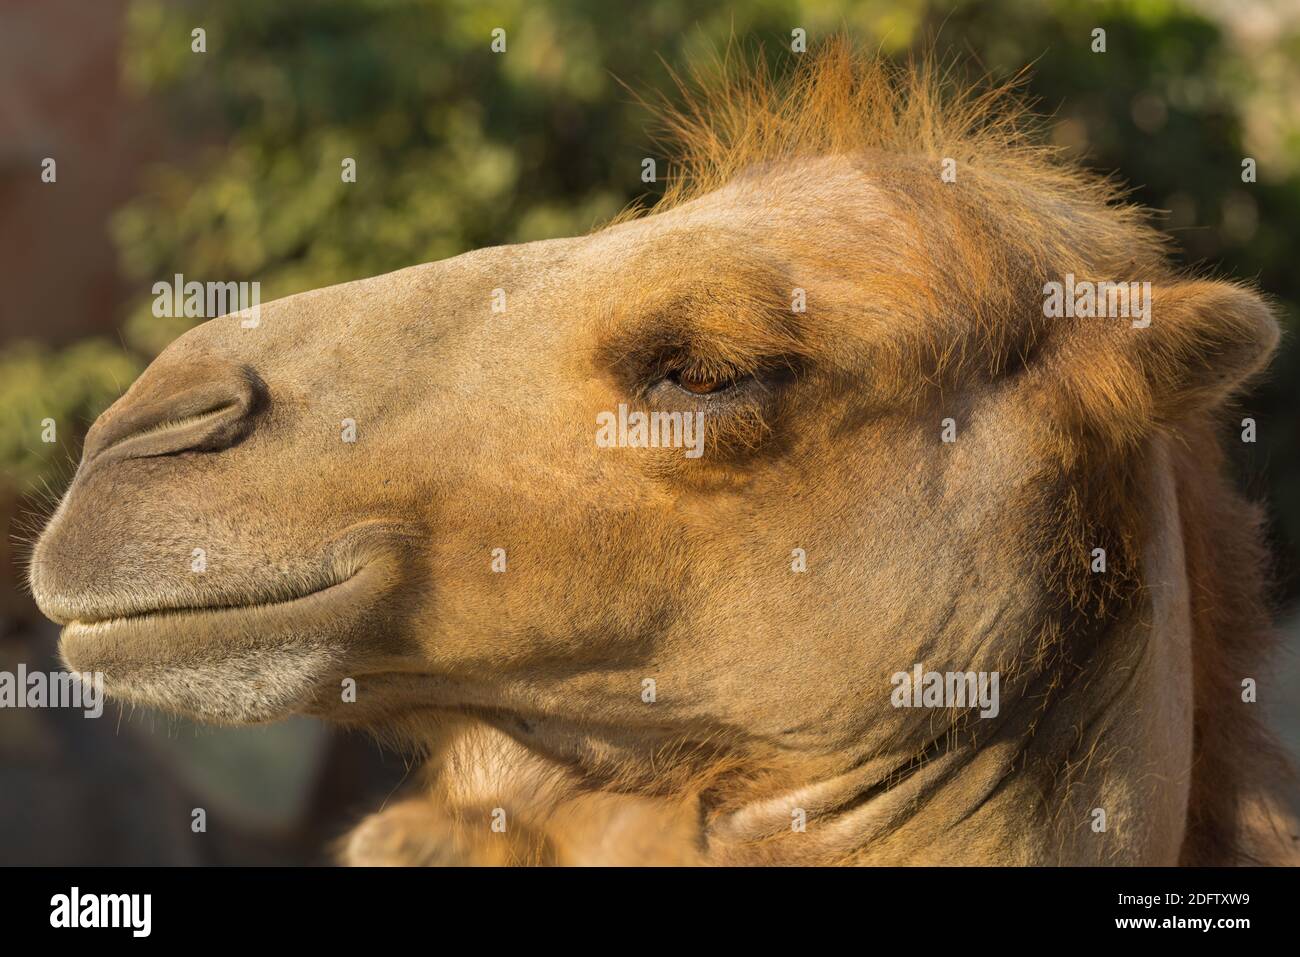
[[231, 663], [179, 614]]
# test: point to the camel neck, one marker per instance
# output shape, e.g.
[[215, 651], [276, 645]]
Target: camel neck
[[1087, 779], [881, 810]]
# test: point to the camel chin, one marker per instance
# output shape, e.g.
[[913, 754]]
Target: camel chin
[[225, 689]]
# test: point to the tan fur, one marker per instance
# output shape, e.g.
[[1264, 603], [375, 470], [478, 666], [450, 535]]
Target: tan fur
[[372, 560]]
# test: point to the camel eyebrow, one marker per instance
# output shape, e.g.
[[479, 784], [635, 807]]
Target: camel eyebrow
[[741, 330], [735, 300]]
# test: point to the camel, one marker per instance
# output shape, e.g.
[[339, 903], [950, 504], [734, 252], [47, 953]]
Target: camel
[[617, 653]]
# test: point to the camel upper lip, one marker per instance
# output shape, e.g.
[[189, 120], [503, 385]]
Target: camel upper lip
[[181, 611], [352, 553]]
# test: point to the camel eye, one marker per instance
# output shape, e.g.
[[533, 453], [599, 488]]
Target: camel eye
[[697, 383]]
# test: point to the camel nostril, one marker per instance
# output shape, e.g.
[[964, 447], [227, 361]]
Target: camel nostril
[[212, 410]]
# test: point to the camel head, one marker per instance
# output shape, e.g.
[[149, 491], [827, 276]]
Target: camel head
[[867, 444]]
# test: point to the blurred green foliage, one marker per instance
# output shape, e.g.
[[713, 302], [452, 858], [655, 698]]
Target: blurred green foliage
[[55, 393], [458, 147]]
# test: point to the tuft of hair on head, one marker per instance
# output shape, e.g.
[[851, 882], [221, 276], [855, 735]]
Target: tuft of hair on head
[[734, 111]]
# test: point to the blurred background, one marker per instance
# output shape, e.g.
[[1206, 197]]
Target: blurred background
[[224, 165]]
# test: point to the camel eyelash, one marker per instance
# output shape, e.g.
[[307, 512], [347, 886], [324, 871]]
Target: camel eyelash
[[698, 383], [741, 396]]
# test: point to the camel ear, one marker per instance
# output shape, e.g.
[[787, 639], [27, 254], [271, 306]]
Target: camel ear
[[1204, 340]]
